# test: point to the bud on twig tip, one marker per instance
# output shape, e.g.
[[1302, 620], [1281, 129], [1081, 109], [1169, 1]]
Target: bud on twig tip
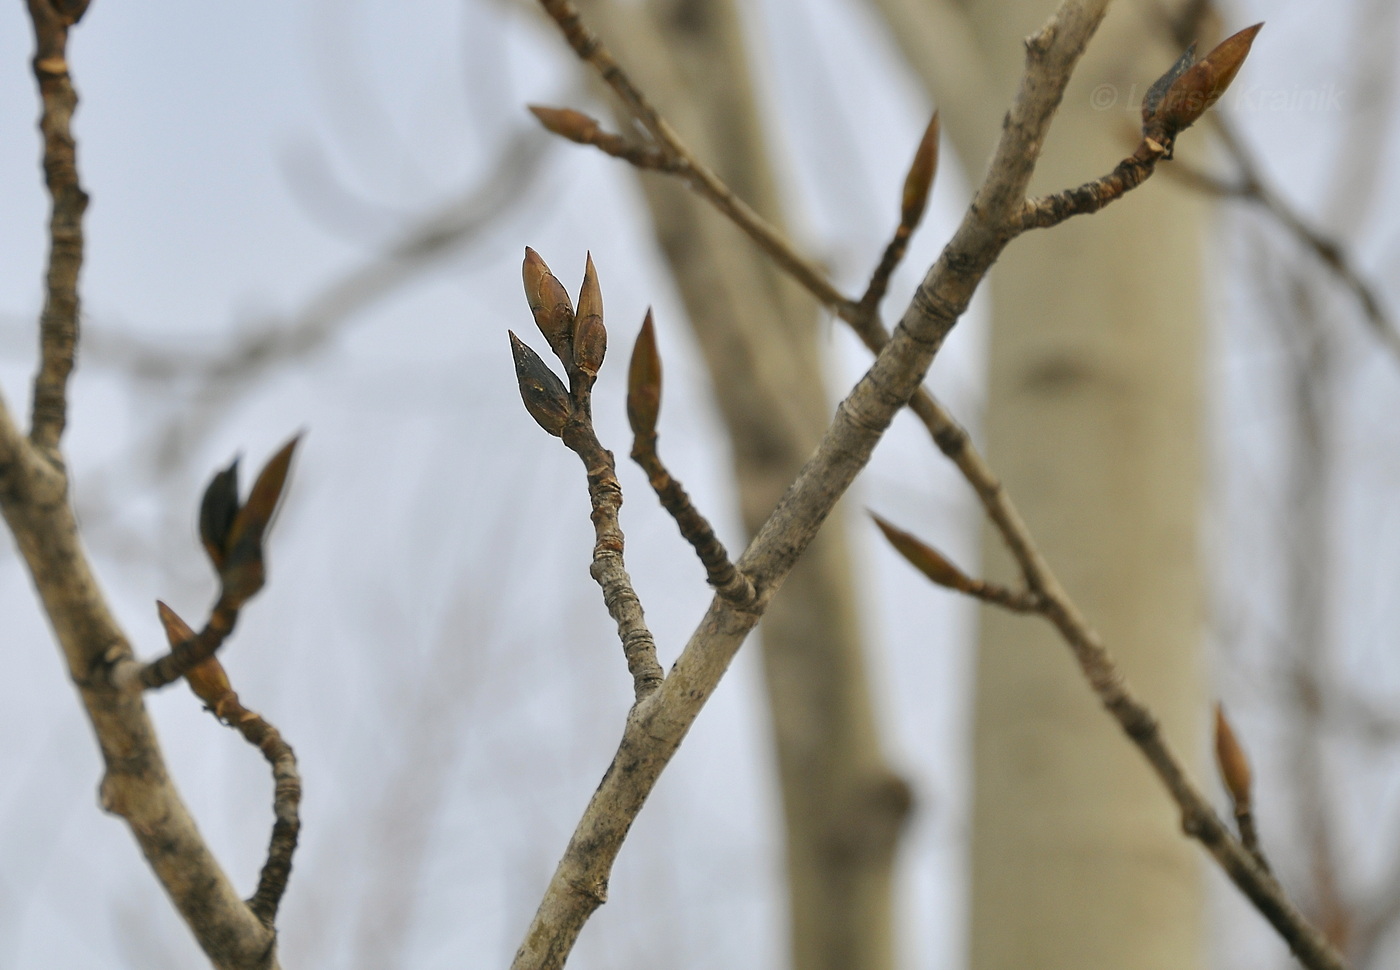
[[924, 558], [566, 122], [922, 171], [644, 381], [1231, 760], [1179, 98]]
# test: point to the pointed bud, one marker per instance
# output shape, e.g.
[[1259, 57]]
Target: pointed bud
[[1203, 83], [217, 511], [590, 338], [924, 558], [207, 680], [1230, 758], [644, 382], [549, 304], [566, 122], [544, 394], [177, 631], [243, 572], [919, 182]]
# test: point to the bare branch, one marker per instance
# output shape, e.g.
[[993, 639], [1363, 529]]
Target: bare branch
[[658, 723], [998, 213], [579, 341], [210, 684], [58, 325]]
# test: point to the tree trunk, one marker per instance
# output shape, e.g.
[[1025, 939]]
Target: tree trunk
[[1094, 421]]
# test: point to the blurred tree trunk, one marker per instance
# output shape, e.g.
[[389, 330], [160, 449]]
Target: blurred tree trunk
[[843, 807], [1094, 421]]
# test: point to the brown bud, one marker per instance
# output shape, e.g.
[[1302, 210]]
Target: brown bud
[[567, 123], [177, 631], [924, 558], [207, 680], [644, 382], [1202, 84], [590, 337], [242, 572], [549, 304], [544, 394], [217, 511], [919, 181], [1231, 760]]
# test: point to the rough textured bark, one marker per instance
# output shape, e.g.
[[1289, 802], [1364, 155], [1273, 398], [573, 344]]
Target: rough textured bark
[[1094, 421], [843, 807]]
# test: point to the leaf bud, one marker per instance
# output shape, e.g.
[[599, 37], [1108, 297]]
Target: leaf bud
[[919, 182], [924, 558], [644, 382], [590, 337], [544, 394], [549, 305]]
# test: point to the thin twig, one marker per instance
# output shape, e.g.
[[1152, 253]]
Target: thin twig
[[1051, 210], [643, 409], [210, 683], [58, 325], [720, 573]]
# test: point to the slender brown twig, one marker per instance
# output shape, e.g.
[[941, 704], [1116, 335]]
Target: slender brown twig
[[643, 408], [58, 325], [210, 683]]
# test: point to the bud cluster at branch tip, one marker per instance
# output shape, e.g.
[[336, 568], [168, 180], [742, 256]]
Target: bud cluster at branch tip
[[233, 533], [1179, 97], [579, 340]]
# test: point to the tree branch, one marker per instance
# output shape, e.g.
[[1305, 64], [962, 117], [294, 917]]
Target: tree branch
[[998, 213], [58, 325], [657, 724]]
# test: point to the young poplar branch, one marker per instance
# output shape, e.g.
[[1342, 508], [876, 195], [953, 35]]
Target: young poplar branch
[[58, 323], [34, 499], [657, 724], [999, 212], [643, 408], [210, 684], [918, 184], [579, 340]]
